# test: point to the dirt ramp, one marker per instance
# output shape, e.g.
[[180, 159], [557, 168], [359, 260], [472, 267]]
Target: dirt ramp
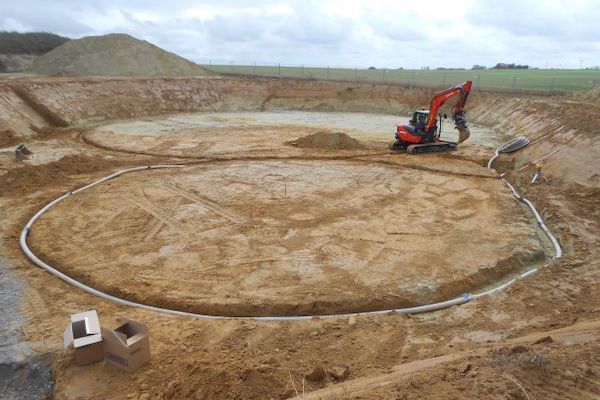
[[114, 55], [328, 141]]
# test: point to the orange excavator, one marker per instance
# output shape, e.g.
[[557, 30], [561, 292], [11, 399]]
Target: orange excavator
[[422, 133]]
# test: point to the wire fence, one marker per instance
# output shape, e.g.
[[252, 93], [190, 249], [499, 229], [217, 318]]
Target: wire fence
[[542, 80]]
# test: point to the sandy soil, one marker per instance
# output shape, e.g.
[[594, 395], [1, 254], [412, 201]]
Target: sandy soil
[[233, 129], [278, 238], [495, 347]]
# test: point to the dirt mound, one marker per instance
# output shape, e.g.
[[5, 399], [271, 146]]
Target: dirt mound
[[31, 177], [114, 55], [327, 141]]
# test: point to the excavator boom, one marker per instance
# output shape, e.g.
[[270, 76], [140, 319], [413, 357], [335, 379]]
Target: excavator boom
[[439, 99]]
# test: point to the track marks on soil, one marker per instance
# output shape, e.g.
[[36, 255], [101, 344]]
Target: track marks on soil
[[155, 211], [159, 224], [207, 203]]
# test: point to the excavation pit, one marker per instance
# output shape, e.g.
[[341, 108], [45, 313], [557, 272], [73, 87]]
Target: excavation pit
[[254, 133], [288, 237]]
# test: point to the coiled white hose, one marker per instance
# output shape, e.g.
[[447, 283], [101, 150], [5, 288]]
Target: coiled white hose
[[512, 145]]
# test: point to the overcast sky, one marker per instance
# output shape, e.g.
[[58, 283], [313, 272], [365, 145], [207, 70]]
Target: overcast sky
[[457, 33]]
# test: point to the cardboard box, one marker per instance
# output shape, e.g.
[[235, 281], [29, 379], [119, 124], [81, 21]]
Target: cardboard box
[[83, 334], [128, 346]]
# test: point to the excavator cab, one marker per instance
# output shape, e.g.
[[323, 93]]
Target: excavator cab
[[420, 118], [418, 125]]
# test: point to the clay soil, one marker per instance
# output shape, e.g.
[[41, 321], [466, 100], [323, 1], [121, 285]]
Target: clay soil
[[253, 226]]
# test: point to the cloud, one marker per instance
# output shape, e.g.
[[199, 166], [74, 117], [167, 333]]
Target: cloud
[[349, 33], [19, 17]]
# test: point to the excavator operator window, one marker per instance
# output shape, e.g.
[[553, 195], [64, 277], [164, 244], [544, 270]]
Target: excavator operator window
[[420, 121]]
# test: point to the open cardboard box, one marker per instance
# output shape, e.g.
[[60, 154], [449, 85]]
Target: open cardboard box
[[83, 334], [128, 346]]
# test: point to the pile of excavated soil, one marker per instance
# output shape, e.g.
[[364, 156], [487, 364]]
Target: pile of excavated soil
[[327, 141], [114, 55], [31, 177]]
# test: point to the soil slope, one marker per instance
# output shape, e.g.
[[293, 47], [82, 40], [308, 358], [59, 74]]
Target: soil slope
[[114, 55]]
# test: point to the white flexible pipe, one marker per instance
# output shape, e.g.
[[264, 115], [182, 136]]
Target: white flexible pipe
[[538, 218], [465, 298], [489, 165]]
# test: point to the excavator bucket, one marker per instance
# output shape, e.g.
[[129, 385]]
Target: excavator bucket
[[22, 153], [463, 134]]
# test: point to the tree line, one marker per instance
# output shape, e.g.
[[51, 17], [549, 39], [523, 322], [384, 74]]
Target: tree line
[[36, 43]]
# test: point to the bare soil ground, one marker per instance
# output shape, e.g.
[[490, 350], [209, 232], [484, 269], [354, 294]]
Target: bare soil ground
[[537, 339], [290, 237]]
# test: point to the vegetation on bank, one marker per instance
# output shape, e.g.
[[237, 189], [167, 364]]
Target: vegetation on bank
[[35, 43]]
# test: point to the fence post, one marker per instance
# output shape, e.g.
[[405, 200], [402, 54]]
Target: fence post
[[279, 69]]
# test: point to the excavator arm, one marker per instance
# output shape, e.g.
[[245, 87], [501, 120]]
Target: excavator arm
[[458, 113]]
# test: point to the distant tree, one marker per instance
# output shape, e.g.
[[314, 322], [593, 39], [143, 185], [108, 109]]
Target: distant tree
[[510, 66], [29, 43], [372, 68], [400, 68], [478, 67]]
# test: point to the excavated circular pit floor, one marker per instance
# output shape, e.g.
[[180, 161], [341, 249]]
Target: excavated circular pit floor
[[283, 237], [215, 134]]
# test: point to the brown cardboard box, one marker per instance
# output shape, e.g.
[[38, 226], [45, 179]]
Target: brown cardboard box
[[128, 346], [83, 334]]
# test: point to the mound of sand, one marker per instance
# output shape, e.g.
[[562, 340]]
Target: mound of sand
[[114, 55], [327, 141], [33, 177]]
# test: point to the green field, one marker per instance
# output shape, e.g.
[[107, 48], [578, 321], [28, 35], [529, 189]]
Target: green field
[[548, 80]]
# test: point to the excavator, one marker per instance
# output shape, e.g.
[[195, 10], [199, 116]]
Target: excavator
[[422, 133]]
